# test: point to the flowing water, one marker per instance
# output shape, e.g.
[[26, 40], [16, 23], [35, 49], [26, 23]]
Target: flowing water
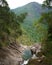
[[25, 62]]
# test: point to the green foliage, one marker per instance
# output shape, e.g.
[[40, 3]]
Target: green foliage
[[21, 17], [37, 33], [25, 39], [34, 30], [40, 31], [9, 24], [47, 3], [47, 17]]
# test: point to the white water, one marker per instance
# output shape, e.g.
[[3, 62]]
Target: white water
[[25, 62], [34, 56]]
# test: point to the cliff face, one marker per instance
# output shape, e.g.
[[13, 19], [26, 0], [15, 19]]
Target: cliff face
[[11, 55]]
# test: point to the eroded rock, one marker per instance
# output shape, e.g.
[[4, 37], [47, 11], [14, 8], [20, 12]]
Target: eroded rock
[[11, 55]]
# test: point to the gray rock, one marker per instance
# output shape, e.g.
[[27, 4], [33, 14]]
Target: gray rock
[[11, 55]]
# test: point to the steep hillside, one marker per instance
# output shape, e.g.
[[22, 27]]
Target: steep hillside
[[33, 11]]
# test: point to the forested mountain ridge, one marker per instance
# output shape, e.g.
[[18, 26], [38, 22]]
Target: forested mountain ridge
[[34, 11]]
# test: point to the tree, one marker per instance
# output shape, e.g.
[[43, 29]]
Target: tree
[[47, 17], [9, 24], [47, 3], [21, 17]]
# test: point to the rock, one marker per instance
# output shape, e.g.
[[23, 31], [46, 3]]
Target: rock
[[11, 55], [38, 62], [34, 56], [36, 48]]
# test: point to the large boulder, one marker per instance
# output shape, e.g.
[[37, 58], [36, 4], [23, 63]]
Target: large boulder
[[36, 48]]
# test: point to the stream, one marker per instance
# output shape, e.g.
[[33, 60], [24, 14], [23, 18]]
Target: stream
[[26, 61]]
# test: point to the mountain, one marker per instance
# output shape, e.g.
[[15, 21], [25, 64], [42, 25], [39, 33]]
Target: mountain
[[33, 11]]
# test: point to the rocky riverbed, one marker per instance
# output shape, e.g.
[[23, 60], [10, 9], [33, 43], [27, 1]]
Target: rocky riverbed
[[12, 55]]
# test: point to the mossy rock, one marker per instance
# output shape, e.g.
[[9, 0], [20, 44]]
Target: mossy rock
[[27, 54]]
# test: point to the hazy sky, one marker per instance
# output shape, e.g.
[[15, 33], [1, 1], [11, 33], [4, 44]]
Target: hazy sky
[[18, 3]]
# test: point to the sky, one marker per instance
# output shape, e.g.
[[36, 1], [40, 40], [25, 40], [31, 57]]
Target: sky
[[18, 3]]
